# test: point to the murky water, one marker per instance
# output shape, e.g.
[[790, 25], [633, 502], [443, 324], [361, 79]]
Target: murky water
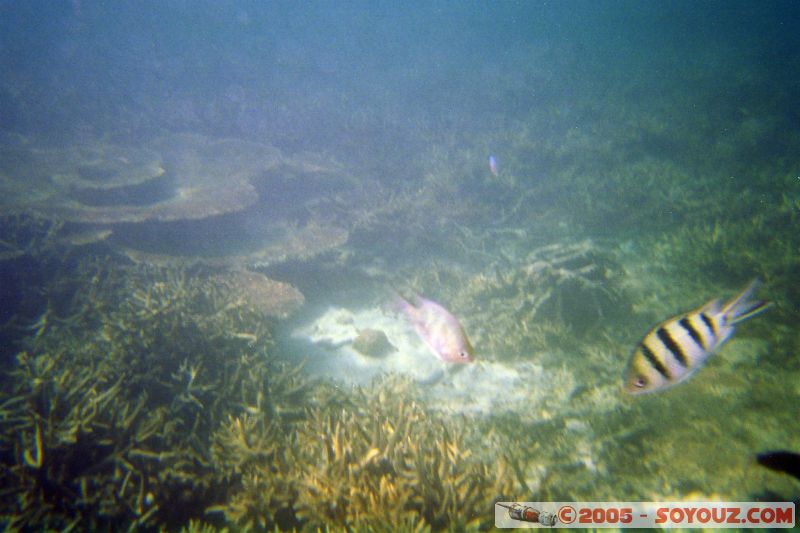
[[207, 212]]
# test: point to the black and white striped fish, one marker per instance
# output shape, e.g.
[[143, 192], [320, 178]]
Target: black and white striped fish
[[674, 350]]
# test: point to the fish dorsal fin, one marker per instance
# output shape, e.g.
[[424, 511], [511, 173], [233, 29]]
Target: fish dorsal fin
[[416, 299], [740, 299]]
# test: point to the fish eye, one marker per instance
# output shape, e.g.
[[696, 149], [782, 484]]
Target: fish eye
[[639, 382], [463, 354]]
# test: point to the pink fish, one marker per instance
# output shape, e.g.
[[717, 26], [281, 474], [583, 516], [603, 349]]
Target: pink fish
[[438, 329]]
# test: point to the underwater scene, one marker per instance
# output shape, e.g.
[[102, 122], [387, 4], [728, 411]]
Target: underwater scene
[[376, 266]]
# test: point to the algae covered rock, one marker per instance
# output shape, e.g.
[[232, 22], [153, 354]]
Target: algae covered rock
[[373, 343]]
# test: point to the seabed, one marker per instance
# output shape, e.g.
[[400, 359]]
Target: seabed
[[181, 355]]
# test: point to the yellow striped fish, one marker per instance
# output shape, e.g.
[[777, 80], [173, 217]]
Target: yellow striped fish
[[675, 349]]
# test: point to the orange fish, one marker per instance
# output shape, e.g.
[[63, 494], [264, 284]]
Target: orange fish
[[438, 329]]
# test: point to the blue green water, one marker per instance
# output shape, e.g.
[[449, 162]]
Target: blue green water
[[153, 152]]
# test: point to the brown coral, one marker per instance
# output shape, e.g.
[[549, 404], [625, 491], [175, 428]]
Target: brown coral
[[370, 461], [259, 293], [106, 420]]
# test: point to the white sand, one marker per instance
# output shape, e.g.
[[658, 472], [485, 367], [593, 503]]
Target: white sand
[[484, 386]]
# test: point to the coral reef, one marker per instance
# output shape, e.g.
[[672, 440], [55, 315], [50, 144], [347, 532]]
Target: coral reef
[[259, 293], [197, 177], [181, 196], [93, 169], [548, 298], [107, 413], [25, 235], [289, 242], [296, 243], [574, 282], [35, 236], [148, 395], [369, 460], [106, 183], [145, 397], [733, 245]]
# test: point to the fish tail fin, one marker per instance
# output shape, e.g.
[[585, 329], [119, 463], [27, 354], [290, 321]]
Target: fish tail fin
[[742, 307], [755, 308]]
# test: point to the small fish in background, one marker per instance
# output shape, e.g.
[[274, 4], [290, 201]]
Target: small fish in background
[[438, 329], [675, 349], [493, 166], [781, 461]]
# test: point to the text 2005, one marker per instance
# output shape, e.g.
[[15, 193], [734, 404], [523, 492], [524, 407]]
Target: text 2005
[[600, 515]]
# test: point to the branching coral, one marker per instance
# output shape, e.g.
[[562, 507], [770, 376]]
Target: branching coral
[[372, 460], [253, 452], [73, 438], [108, 413], [296, 243], [27, 235]]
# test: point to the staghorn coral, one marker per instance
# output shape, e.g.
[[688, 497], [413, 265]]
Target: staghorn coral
[[196, 526], [23, 235], [253, 452], [68, 428], [107, 413], [726, 247], [373, 459]]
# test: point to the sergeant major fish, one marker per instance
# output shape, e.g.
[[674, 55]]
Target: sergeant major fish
[[675, 349], [438, 329]]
